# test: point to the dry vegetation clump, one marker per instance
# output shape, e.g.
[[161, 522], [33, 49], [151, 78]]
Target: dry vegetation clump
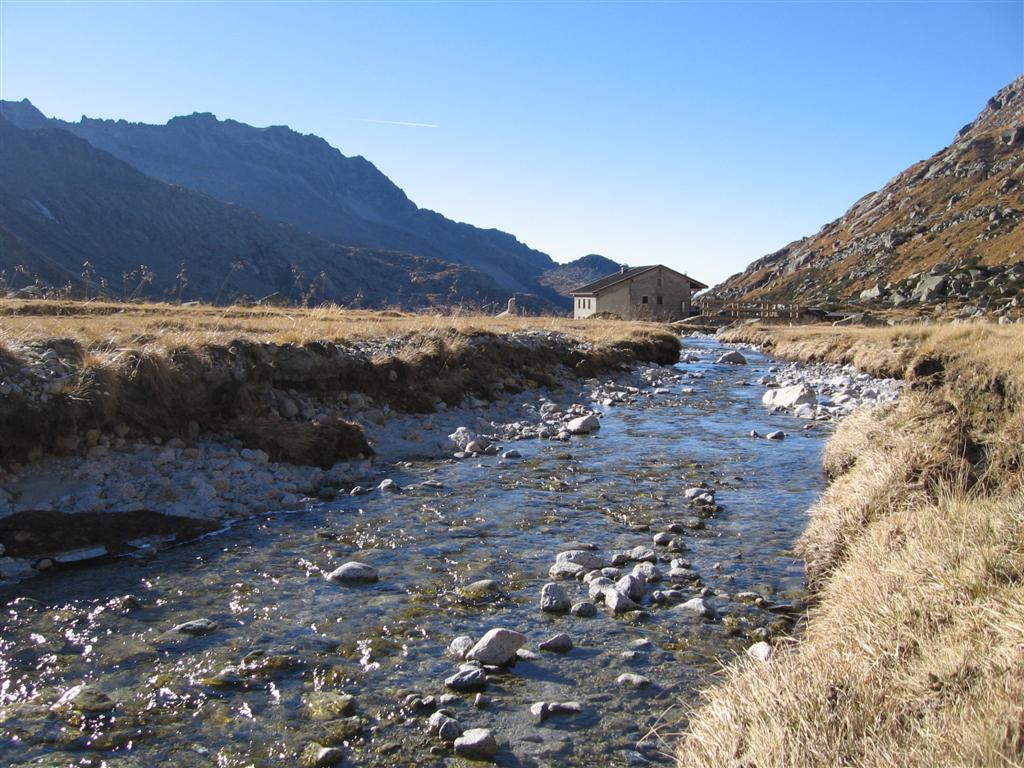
[[913, 653]]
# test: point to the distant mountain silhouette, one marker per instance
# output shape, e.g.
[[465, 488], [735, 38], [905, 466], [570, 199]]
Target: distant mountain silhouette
[[63, 202], [302, 180]]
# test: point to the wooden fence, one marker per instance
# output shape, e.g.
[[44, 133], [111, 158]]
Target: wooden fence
[[763, 310]]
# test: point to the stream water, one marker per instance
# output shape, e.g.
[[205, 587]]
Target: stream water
[[234, 696]]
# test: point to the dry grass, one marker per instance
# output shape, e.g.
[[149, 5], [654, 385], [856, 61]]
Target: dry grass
[[102, 325], [160, 370], [914, 650]]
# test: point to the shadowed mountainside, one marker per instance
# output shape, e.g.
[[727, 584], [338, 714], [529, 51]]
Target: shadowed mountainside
[[63, 202], [302, 180]]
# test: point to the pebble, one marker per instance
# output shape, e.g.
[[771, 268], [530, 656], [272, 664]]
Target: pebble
[[583, 425], [318, 756], [195, 627], [630, 680], [560, 643], [776, 435], [388, 486], [618, 603]]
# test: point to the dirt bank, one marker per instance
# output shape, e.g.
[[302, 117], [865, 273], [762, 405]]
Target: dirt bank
[[912, 654], [166, 440], [289, 400]]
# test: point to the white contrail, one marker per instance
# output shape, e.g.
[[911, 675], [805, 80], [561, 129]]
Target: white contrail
[[396, 122]]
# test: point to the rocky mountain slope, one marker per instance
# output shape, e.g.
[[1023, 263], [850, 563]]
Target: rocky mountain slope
[[64, 203], [952, 221], [302, 180], [565, 277]]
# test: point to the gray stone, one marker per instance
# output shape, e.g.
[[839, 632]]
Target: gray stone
[[195, 627], [733, 357], [618, 603], [353, 573], [776, 435], [584, 609], [460, 646], [560, 643], [630, 680], [318, 756], [698, 606], [498, 646], [632, 587], [581, 557], [476, 744], [467, 680], [554, 598], [787, 397]]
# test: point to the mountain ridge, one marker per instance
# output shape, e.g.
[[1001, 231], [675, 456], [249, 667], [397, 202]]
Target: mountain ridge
[[65, 203], [303, 180], [963, 205]]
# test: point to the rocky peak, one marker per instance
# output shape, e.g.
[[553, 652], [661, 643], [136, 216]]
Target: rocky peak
[[965, 204]]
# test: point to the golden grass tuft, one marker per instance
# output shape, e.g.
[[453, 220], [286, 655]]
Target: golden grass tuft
[[913, 653]]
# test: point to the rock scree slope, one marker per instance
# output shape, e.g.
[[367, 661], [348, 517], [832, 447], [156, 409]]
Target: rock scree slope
[[964, 204]]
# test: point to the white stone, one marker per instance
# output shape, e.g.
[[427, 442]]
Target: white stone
[[498, 646], [761, 651], [584, 425], [787, 397], [733, 357]]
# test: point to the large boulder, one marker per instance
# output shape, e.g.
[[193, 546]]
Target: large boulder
[[929, 288], [584, 425], [733, 357], [787, 397]]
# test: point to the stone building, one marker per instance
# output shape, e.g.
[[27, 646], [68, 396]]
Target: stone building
[[638, 293]]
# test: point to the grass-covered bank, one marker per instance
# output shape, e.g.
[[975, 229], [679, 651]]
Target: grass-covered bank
[[72, 373], [913, 653]]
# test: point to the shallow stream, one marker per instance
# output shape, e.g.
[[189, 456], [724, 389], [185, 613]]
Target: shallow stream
[[234, 696]]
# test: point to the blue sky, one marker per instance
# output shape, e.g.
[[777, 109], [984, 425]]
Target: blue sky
[[700, 135]]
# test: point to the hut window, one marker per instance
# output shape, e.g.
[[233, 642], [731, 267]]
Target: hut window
[[643, 300], [659, 301]]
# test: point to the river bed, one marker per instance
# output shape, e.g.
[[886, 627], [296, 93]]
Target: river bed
[[234, 696]]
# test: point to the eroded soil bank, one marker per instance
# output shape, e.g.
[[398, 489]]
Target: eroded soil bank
[[236, 650], [202, 436]]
